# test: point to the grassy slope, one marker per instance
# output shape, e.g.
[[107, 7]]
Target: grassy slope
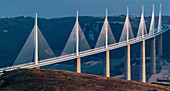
[[48, 80]]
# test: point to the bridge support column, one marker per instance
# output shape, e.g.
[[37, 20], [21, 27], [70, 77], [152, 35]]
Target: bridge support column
[[78, 65], [107, 63], [153, 56], [128, 63], [160, 48], [143, 65]]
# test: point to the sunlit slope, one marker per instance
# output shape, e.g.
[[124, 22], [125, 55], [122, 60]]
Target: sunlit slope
[[48, 80]]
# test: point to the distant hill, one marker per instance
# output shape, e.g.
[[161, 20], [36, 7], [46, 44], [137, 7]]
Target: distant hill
[[50, 80]]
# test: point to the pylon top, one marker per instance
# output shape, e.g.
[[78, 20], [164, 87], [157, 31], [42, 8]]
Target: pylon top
[[127, 11], [106, 12], [77, 15]]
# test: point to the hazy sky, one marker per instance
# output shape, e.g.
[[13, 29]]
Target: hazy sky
[[62, 8]]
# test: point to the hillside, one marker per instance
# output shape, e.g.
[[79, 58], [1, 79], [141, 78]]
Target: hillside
[[50, 80]]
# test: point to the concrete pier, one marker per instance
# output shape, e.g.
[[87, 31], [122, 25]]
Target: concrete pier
[[160, 47], [107, 63], [78, 65], [143, 63], [153, 56], [128, 63]]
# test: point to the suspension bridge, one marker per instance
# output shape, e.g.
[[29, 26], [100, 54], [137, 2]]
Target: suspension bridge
[[36, 52]]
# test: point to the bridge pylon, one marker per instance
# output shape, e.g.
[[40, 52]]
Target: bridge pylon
[[126, 35], [106, 45], [160, 48], [152, 24], [77, 46], [153, 46], [36, 42], [141, 32], [128, 74], [76, 43]]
